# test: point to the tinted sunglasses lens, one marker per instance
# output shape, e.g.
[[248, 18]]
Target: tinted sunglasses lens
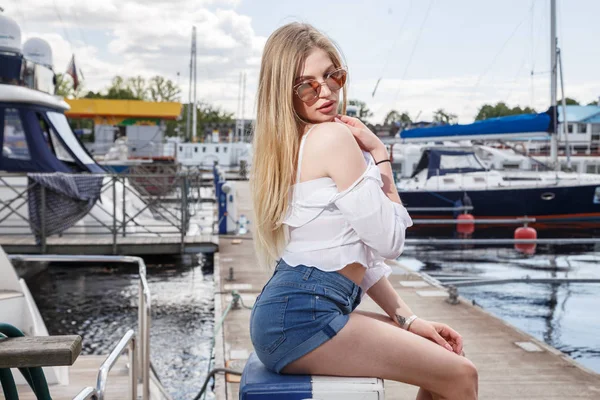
[[336, 80], [308, 91]]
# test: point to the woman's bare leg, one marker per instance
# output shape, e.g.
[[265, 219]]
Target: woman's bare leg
[[369, 347], [422, 394]]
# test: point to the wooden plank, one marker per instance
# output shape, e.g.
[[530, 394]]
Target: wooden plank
[[39, 351]]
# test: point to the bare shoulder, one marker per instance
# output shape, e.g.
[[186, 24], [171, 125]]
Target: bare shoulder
[[338, 152]]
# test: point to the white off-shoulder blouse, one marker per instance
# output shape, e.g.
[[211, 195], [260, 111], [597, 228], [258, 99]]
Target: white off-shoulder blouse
[[329, 229]]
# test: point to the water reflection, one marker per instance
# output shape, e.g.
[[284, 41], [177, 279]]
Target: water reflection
[[562, 315], [100, 304]]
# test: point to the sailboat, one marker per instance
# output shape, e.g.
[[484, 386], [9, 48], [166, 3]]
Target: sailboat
[[447, 177]]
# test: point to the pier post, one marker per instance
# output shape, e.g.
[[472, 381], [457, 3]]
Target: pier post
[[124, 207], [43, 219], [114, 214]]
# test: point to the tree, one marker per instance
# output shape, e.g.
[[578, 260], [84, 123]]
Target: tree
[[441, 116], [64, 87], [569, 101], [501, 110], [138, 87], [593, 103], [162, 89], [205, 113], [394, 117], [363, 111], [120, 90]]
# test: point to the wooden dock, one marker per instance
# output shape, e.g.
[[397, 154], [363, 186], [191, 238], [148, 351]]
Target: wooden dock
[[94, 245], [511, 363]]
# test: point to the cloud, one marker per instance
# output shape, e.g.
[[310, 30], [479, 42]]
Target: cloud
[[149, 37]]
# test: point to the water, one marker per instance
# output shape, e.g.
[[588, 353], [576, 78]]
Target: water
[[564, 316], [100, 304]]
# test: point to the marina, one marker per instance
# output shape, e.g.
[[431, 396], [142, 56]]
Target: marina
[[127, 261]]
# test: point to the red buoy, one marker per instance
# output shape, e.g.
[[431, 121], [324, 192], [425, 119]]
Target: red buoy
[[465, 227], [525, 232]]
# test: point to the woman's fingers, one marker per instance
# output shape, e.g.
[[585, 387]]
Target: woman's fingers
[[451, 336], [440, 340], [349, 120]]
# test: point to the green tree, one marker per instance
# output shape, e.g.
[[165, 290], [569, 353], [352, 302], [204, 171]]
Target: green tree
[[138, 87], [205, 113], [569, 101], [120, 90], [363, 111], [444, 117], [500, 110], [162, 89], [593, 103], [64, 87], [394, 116]]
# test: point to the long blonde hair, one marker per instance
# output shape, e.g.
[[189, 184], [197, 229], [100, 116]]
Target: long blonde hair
[[278, 130]]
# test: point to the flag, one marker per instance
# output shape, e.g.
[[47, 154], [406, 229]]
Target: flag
[[72, 70]]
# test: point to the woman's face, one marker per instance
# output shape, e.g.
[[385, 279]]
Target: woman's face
[[322, 108]]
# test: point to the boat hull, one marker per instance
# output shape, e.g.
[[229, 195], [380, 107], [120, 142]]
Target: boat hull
[[554, 208]]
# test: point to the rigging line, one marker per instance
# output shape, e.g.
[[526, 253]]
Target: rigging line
[[513, 84], [81, 32], [489, 67], [412, 53], [402, 25], [63, 25], [19, 7]]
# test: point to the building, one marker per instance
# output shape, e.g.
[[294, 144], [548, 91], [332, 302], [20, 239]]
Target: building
[[142, 122]]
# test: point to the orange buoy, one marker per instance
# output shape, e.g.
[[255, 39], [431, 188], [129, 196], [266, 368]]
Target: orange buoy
[[525, 232], [465, 227]]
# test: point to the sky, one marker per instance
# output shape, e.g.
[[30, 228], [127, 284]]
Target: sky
[[429, 54]]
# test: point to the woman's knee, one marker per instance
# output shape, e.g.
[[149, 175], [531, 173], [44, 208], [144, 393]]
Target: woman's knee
[[465, 382]]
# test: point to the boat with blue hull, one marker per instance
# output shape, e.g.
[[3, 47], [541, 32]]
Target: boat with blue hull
[[455, 177]]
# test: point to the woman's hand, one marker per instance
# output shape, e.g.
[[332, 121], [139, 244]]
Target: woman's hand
[[366, 139], [438, 333]]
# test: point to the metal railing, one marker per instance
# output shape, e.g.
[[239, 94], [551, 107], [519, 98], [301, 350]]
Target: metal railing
[[557, 241], [144, 319], [474, 221], [135, 205]]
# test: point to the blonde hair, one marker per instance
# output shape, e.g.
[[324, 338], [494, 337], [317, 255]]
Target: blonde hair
[[278, 130]]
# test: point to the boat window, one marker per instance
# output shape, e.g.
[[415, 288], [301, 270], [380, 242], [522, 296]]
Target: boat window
[[591, 169], [570, 128], [459, 162], [582, 128], [15, 143], [45, 130], [64, 132]]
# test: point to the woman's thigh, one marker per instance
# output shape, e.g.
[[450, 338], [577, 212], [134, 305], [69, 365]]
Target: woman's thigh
[[370, 346]]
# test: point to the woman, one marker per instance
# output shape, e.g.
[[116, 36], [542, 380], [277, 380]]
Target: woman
[[327, 213]]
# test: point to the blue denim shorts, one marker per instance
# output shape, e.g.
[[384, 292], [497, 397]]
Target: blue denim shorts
[[299, 309]]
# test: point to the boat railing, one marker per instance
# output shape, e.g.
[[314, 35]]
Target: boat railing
[[144, 319], [157, 205]]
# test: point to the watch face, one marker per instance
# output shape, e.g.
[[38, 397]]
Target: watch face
[[401, 320]]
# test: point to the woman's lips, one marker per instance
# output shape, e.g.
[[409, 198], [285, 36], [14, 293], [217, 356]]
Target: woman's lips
[[327, 107]]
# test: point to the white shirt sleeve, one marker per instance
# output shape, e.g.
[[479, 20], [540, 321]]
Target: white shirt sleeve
[[379, 270], [378, 221]]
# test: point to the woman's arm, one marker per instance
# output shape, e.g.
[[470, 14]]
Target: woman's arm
[[384, 294], [389, 186]]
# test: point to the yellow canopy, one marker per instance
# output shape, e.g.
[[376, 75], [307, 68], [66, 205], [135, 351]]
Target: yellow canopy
[[103, 108]]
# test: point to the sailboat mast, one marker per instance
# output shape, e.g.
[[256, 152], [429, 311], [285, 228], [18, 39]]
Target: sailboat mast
[[553, 84], [195, 105]]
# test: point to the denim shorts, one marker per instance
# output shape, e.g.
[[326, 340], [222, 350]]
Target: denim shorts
[[299, 309]]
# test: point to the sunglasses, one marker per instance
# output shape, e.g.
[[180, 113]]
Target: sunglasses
[[310, 89]]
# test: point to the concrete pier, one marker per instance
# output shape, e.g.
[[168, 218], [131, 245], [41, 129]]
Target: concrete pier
[[511, 363]]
